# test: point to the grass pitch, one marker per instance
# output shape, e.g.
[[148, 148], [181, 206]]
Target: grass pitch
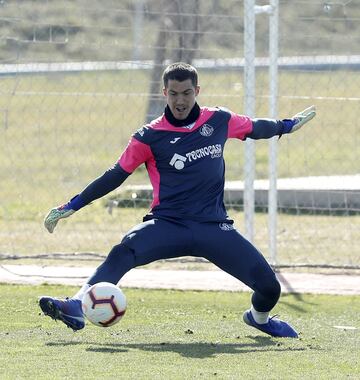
[[180, 335]]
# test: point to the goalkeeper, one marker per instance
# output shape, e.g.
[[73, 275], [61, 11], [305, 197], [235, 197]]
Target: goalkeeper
[[183, 154]]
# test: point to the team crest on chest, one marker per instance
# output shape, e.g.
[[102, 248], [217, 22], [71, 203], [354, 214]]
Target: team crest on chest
[[206, 130]]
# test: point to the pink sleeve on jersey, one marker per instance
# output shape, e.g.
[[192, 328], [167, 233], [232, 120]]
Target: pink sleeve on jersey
[[239, 126], [135, 154]]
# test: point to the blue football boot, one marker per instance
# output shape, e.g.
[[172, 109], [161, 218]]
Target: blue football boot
[[68, 311], [274, 327]]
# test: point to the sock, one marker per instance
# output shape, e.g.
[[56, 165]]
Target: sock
[[80, 294], [260, 317]]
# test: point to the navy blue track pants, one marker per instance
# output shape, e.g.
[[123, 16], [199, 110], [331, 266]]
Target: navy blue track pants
[[220, 243]]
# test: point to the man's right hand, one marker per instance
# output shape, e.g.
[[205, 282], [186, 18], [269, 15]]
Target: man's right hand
[[55, 215]]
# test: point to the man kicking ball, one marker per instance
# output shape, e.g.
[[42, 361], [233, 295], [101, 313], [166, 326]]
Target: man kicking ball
[[183, 154]]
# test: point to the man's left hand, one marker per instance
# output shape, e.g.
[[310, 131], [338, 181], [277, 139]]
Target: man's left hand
[[302, 117]]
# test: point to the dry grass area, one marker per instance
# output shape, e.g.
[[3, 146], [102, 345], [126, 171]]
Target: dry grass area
[[93, 230]]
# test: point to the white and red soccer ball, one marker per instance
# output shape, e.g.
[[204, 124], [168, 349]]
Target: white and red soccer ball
[[104, 304]]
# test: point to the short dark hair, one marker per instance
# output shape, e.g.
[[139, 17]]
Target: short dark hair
[[180, 71]]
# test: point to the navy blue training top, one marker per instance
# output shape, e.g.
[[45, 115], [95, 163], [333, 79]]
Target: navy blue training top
[[185, 164]]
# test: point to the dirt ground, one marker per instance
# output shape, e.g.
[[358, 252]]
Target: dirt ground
[[178, 277]]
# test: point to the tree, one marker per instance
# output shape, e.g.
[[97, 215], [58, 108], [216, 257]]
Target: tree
[[179, 24]]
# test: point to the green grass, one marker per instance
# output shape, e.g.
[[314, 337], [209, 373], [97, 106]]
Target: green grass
[[180, 335]]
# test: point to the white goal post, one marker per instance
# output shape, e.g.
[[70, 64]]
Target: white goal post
[[250, 10]]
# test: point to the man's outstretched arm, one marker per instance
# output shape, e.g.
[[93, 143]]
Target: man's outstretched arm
[[101, 186], [266, 128]]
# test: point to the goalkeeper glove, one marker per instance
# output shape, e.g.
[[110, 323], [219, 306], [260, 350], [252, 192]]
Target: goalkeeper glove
[[298, 120], [61, 212]]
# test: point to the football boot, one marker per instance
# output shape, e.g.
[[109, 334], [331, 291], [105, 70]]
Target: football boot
[[274, 327], [68, 311]]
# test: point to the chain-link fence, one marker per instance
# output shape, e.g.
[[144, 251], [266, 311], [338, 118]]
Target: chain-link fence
[[78, 77]]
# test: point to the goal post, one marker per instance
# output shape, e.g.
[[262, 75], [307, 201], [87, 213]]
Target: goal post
[[273, 113], [249, 109], [250, 10]]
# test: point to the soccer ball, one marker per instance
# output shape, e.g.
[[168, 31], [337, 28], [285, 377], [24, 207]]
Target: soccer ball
[[104, 304]]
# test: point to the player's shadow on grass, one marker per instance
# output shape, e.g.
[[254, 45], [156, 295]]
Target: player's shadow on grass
[[200, 350]]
